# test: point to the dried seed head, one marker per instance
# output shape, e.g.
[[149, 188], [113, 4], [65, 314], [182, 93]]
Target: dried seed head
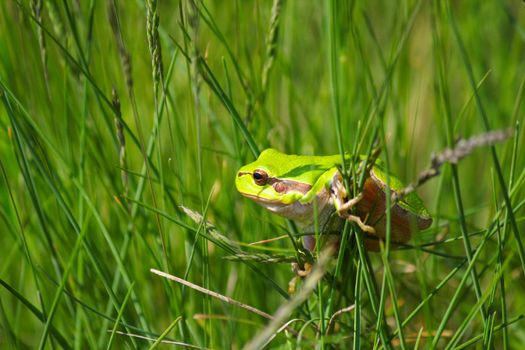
[[121, 140], [462, 149], [271, 44], [152, 22]]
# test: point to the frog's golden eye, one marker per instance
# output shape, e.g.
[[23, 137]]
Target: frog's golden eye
[[260, 177]]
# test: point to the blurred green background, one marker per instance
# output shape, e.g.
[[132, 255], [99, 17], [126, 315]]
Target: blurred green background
[[202, 87]]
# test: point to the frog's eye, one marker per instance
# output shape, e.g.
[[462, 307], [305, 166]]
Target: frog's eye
[[260, 177]]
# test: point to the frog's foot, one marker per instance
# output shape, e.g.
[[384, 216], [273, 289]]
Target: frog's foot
[[338, 194], [354, 218], [292, 285], [302, 272], [346, 206]]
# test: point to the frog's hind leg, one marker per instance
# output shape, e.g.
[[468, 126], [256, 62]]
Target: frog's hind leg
[[343, 206]]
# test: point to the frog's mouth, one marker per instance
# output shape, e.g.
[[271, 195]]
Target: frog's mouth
[[264, 201], [297, 211]]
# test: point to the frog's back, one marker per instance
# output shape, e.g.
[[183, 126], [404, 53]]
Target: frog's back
[[297, 167]]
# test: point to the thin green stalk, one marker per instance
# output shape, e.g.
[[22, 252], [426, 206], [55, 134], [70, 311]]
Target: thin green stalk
[[209, 78], [119, 316], [60, 290], [36, 312], [456, 297], [389, 281], [69, 215], [501, 238], [11, 342], [23, 239], [455, 181], [464, 232], [23, 164], [485, 120], [463, 326], [195, 84], [158, 341], [320, 298], [501, 326], [385, 250], [432, 293], [357, 311], [333, 53], [488, 339], [344, 238]]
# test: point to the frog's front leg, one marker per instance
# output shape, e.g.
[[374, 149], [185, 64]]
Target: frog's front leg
[[343, 206]]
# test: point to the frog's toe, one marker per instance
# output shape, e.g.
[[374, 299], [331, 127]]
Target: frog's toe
[[364, 227], [302, 272]]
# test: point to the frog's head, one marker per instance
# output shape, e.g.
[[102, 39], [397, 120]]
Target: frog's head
[[269, 180], [288, 184]]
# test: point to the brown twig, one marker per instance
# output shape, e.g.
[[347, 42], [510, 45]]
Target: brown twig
[[453, 155], [337, 313], [212, 294]]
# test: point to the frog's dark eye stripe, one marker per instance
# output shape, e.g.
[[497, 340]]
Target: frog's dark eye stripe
[[260, 177]]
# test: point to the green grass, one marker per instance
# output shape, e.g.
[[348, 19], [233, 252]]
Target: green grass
[[95, 185]]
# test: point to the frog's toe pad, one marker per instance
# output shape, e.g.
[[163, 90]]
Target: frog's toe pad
[[302, 272]]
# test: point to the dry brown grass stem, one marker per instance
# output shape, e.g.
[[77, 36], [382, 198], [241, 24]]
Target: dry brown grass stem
[[463, 148], [213, 294]]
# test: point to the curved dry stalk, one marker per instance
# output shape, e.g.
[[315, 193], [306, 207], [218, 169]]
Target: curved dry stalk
[[213, 294], [337, 313]]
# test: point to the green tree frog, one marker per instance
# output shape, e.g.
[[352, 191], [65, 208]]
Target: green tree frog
[[290, 185]]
